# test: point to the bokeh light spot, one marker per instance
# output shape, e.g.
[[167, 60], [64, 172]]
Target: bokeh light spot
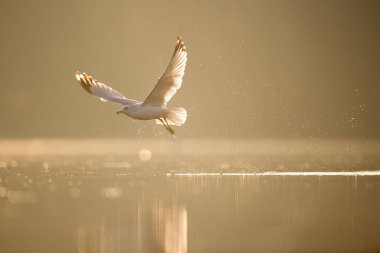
[[145, 154]]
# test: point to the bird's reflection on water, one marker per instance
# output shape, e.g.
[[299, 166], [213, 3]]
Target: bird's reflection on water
[[146, 229], [88, 212], [259, 202]]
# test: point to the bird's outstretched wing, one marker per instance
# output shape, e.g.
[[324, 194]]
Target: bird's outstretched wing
[[102, 91], [171, 79]]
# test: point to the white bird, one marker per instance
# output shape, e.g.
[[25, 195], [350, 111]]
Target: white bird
[[154, 106]]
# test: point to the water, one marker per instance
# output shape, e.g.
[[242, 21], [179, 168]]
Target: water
[[189, 196]]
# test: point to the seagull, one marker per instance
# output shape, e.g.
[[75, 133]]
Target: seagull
[[154, 106]]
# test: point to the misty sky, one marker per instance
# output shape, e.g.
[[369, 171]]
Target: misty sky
[[266, 69]]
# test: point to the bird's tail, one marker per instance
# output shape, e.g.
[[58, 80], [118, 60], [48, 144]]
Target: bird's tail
[[175, 116]]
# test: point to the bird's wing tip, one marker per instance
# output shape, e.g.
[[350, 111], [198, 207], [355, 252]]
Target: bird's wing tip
[[77, 75], [180, 44], [84, 81]]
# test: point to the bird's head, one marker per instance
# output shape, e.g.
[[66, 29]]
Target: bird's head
[[123, 110]]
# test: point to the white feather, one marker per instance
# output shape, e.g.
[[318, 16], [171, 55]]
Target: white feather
[[102, 91], [171, 79]]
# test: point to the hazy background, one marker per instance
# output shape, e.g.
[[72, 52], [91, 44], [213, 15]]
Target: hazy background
[[255, 68]]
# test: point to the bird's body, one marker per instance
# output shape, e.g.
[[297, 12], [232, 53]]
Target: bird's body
[[144, 112], [154, 106]]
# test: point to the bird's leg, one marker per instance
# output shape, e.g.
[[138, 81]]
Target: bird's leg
[[171, 130], [163, 123], [166, 126]]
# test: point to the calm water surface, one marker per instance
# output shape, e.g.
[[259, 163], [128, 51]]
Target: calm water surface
[[83, 196]]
